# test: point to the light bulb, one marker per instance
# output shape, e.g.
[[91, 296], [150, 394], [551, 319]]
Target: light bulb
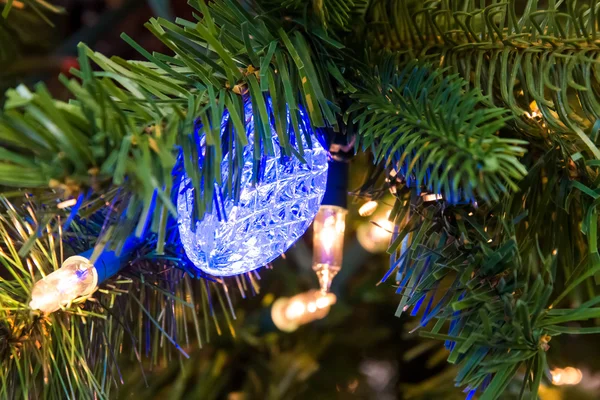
[[368, 208], [374, 236], [328, 243], [566, 376], [77, 277], [428, 197], [289, 313]]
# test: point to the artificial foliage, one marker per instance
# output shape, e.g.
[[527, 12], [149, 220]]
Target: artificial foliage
[[492, 105]]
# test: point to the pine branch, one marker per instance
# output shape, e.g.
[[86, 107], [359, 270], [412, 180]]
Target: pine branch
[[44, 356], [435, 134], [332, 15], [22, 23], [77, 352], [20, 31], [535, 62], [37, 6], [489, 289], [498, 273], [498, 276], [129, 122]]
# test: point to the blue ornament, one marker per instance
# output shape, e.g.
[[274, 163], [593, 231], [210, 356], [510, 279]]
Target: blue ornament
[[270, 215]]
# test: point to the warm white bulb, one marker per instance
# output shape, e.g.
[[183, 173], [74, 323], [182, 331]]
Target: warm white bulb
[[328, 243], [325, 301], [295, 309], [289, 313], [328, 237], [566, 376], [432, 197], [368, 208], [374, 236], [76, 277]]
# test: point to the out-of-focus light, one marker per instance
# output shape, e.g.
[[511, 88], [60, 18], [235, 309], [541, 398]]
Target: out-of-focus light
[[379, 374], [289, 313], [328, 243], [353, 385], [368, 208], [566, 376], [295, 309], [535, 110], [432, 197], [374, 236], [77, 277], [66, 204]]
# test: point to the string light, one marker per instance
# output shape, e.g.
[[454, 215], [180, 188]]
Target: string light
[[76, 278], [328, 243], [289, 313], [66, 204], [432, 197], [368, 208], [566, 376], [374, 236]]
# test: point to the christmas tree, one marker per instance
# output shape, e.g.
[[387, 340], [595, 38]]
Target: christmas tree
[[139, 201]]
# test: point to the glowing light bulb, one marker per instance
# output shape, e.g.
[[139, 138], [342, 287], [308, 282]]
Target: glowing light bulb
[[368, 208], [566, 376], [77, 277], [374, 236], [432, 197], [295, 309], [289, 313], [328, 243]]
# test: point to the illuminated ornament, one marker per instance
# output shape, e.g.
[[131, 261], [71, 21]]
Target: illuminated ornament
[[271, 214]]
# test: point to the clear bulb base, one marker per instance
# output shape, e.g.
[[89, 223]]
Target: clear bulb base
[[325, 274]]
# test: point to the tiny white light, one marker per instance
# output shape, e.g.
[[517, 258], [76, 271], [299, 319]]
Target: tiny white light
[[324, 301], [295, 309], [368, 208], [432, 197], [567, 376], [289, 313], [328, 243], [375, 235], [76, 278], [66, 203]]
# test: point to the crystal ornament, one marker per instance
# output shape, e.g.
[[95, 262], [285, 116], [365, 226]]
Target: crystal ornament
[[270, 215]]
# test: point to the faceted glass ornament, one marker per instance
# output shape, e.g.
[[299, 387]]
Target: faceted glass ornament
[[270, 215]]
